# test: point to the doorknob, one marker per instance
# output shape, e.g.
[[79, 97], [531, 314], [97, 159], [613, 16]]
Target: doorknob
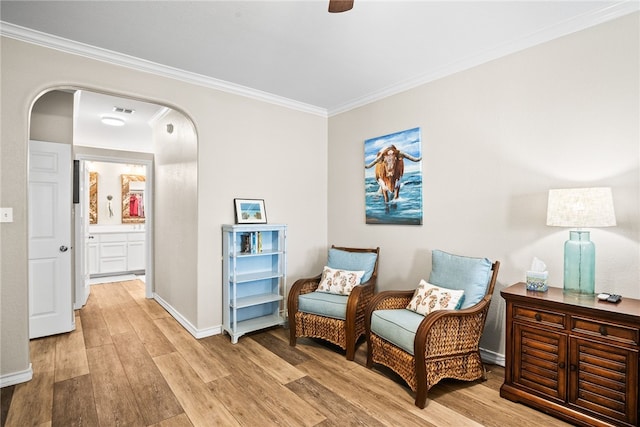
[[63, 248]]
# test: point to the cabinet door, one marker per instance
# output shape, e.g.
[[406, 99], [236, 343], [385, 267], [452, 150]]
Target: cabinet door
[[94, 259], [540, 361], [135, 256], [603, 378]]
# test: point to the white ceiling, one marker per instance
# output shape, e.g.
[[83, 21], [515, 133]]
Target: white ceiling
[[135, 135], [295, 52]]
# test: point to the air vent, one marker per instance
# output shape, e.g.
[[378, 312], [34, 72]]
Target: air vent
[[123, 110]]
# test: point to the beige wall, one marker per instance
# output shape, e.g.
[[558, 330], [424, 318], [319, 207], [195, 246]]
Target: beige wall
[[52, 118], [249, 148], [175, 216], [495, 139]]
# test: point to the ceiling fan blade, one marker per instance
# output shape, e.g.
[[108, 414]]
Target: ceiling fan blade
[[337, 6]]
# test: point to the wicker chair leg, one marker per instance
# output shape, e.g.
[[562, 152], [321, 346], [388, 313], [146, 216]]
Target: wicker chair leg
[[369, 356], [292, 335], [351, 353], [421, 396]]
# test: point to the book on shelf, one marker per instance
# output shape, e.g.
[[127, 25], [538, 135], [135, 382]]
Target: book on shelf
[[251, 243]]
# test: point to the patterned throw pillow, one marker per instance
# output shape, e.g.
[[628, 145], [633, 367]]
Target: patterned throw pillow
[[428, 298], [339, 282]]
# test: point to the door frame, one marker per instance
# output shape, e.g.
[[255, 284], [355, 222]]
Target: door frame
[[148, 211]]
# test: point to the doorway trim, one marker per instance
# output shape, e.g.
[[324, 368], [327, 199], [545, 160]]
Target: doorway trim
[[149, 213]]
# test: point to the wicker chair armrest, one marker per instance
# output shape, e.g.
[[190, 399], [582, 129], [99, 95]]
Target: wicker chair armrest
[[360, 297], [299, 287], [434, 335]]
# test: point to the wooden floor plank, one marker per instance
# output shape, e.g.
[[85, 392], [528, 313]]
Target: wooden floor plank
[[248, 410], [32, 402], [393, 389], [181, 420], [135, 289], [243, 370], [206, 364], [149, 334], [73, 403], [110, 294], [337, 410], [358, 392], [95, 330], [153, 309], [71, 354], [6, 395], [155, 399], [115, 400], [279, 369], [202, 408], [497, 411], [281, 348], [43, 353]]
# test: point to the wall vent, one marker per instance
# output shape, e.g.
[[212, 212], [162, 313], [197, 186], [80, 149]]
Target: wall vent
[[124, 110]]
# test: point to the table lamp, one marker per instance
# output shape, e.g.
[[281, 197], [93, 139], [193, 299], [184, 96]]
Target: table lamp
[[580, 207]]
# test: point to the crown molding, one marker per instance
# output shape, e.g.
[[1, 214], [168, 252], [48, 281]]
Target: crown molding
[[69, 46], [564, 28], [569, 26]]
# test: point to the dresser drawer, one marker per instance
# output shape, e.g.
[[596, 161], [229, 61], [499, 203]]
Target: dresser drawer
[[539, 317], [605, 330]]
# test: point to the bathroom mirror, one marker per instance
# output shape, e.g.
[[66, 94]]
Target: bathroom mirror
[[133, 187], [93, 197]]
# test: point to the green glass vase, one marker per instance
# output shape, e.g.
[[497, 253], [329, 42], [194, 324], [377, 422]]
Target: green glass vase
[[579, 263]]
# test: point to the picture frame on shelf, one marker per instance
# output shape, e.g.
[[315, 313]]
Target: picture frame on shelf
[[250, 211]]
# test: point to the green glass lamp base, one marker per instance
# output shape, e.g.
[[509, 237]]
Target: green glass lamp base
[[579, 263]]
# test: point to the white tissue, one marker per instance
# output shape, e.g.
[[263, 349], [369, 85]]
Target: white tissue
[[538, 266]]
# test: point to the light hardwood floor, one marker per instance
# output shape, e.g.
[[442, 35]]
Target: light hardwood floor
[[129, 363]]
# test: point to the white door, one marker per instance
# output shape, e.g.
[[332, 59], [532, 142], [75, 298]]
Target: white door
[[82, 238], [50, 287]]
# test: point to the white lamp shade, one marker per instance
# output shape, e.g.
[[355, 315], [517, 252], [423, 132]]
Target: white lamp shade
[[581, 207]]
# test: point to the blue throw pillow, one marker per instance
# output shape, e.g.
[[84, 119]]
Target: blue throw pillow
[[459, 272], [353, 261]]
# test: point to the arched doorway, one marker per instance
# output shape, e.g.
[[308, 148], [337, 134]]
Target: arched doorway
[[59, 115]]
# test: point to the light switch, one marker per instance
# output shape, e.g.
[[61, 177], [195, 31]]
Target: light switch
[[6, 214]]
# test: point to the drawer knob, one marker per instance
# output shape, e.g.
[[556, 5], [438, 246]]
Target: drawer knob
[[603, 330], [561, 365], [538, 317]]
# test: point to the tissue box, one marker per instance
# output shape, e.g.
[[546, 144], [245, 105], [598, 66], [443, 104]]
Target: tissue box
[[537, 281]]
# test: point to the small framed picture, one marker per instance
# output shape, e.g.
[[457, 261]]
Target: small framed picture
[[250, 211]]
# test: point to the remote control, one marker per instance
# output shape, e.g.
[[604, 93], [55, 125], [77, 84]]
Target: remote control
[[614, 298]]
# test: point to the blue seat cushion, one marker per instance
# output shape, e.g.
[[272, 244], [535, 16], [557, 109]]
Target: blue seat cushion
[[459, 272], [324, 304], [397, 326], [353, 261]]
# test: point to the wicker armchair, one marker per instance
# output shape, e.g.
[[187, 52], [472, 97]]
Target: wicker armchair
[[343, 324], [446, 342]]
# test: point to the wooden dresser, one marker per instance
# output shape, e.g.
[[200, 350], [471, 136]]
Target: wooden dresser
[[574, 357]]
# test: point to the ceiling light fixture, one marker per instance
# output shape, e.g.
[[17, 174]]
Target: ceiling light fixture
[[112, 121]]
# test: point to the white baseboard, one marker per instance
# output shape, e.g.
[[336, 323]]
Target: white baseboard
[[17, 377], [491, 357], [197, 333]]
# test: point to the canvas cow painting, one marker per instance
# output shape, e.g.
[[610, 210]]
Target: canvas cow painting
[[393, 178]]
